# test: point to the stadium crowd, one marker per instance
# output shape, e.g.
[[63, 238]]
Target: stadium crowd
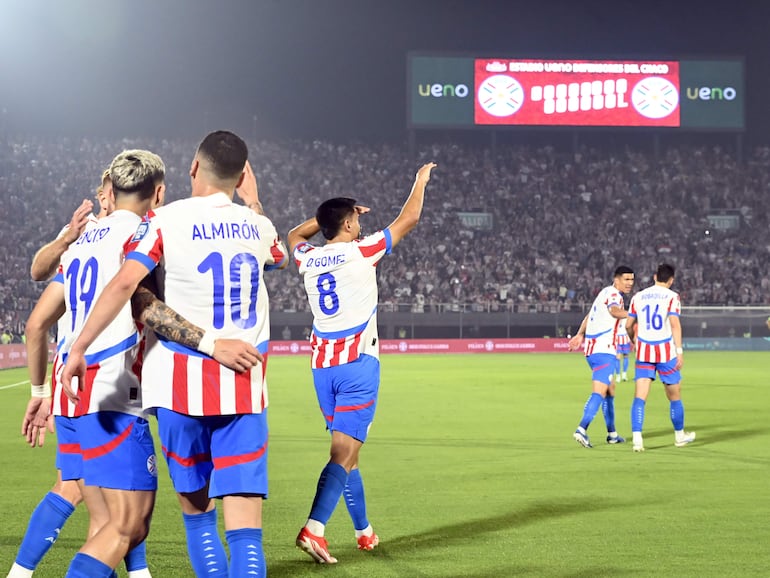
[[549, 227]]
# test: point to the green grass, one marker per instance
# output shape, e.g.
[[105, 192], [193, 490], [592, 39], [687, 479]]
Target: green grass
[[471, 471]]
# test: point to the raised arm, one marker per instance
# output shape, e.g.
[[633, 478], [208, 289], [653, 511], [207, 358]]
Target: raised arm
[[46, 260], [302, 233], [410, 213], [248, 191]]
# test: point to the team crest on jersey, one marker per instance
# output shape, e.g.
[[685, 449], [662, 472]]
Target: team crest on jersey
[[152, 466], [141, 231]]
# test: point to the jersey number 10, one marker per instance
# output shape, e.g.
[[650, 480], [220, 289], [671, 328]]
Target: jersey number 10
[[214, 262]]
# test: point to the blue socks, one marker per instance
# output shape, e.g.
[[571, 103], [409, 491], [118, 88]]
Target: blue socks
[[677, 415], [204, 546], [331, 483], [591, 407], [608, 409], [637, 414], [43, 529], [84, 566], [355, 500], [247, 557], [136, 559]]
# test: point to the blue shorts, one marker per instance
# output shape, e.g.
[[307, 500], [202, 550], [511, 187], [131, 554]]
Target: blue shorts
[[624, 349], [228, 452], [668, 375], [118, 451], [69, 460], [347, 395], [602, 365]]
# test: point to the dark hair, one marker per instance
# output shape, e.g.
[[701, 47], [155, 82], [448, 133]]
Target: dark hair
[[332, 213], [664, 273], [623, 270], [225, 152]]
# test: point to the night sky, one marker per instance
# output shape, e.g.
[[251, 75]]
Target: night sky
[[333, 69]]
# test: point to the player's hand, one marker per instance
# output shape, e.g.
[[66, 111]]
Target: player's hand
[[423, 175], [73, 376], [37, 418], [361, 210], [236, 354], [575, 343], [78, 221], [679, 362], [248, 191]]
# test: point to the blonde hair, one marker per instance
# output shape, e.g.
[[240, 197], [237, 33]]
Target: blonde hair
[[136, 171]]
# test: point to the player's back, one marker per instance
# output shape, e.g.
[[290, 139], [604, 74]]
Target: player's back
[[214, 255], [652, 307], [211, 255], [341, 284], [87, 266]]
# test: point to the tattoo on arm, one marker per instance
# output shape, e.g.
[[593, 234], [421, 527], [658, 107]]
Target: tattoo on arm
[[159, 317]]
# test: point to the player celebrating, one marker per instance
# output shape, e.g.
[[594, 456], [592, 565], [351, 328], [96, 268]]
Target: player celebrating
[[103, 436], [341, 284], [653, 321], [597, 336], [59, 504], [208, 254]]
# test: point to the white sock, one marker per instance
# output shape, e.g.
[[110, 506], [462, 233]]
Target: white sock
[[19, 572], [142, 573], [637, 437], [368, 531], [315, 527]]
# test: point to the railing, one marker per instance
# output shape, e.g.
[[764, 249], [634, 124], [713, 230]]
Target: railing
[[473, 320]]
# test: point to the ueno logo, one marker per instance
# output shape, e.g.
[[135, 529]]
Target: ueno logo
[[711, 93], [437, 90]]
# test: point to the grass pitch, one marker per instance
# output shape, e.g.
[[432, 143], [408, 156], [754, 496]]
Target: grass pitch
[[471, 471]]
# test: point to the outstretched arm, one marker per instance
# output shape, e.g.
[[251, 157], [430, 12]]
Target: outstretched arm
[[410, 213], [115, 295], [46, 260], [235, 354]]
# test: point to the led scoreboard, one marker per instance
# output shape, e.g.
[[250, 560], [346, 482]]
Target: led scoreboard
[[451, 91]]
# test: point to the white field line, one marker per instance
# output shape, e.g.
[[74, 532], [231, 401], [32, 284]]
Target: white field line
[[14, 384]]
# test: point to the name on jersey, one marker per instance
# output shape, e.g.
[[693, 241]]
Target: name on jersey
[[647, 296], [210, 231], [92, 236], [325, 261]]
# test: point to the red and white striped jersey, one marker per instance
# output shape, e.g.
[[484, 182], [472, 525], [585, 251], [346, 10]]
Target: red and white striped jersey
[[621, 336], [208, 255], [652, 308], [341, 285], [602, 327], [114, 358]]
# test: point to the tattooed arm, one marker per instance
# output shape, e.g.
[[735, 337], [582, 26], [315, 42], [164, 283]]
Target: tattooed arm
[[155, 314]]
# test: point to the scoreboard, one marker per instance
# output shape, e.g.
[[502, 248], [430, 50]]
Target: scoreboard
[[464, 92]]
